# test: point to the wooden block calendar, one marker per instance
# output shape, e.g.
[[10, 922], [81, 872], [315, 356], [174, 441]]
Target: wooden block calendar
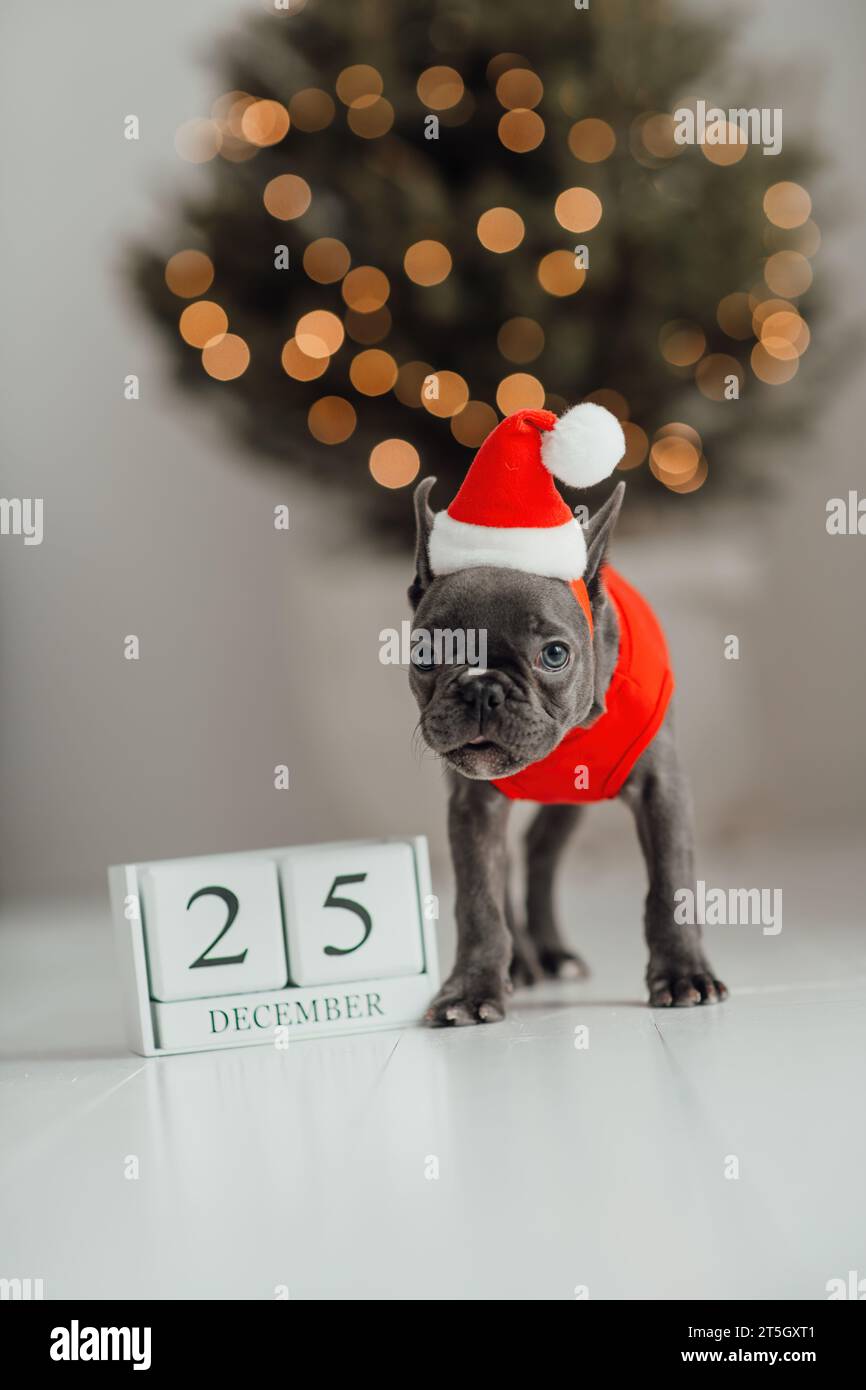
[[228, 950]]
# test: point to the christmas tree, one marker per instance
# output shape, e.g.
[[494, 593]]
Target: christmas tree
[[423, 216]]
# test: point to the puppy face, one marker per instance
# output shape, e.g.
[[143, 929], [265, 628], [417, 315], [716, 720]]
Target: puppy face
[[539, 678]]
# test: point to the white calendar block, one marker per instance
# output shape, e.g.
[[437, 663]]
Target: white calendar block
[[352, 912], [202, 944], [213, 926]]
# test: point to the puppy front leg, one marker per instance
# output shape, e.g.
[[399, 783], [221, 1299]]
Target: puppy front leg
[[475, 990], [658, 793]]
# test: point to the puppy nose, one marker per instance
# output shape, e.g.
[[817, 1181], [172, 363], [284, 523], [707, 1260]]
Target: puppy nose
[[481, 692]]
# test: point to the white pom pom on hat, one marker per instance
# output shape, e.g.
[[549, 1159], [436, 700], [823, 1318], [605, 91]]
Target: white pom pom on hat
[[584, 446], [509, 512]]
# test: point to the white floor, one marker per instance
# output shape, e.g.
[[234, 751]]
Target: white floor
[[558, 1167]]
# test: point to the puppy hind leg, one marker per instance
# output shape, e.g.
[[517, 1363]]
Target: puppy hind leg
[[526, 968], [546, 838]]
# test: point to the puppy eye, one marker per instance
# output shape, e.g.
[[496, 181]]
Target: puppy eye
[[421, 665], [555, 656]]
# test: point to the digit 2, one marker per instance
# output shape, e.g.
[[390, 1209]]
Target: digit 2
[[231, 902], [351, 906]]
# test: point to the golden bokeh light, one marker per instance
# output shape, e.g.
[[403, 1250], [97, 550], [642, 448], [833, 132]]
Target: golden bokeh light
[[520, 391], [656, 134], [788, 274], [394, 463], [370, 120], [520, 340], [189, 273], [501, 63], [673, 459], [519, 87], [558, 274], [681, 343], [222, 109], [373, 372], [473, 423], [203, 323], [680, 430], [311, 109], [331, 419], [410, 382], [731, 152], [500, 229], [521, 131], [287, 196], [265, 123], [359, 83], [786, 328], [734, 315], [711, 375], [591, 140], [198, 140], [440, 88], [298, 365], [366, 289], [777, 367], [319, 333], [368, 328], [578, 209], [326, 260], [444, 393], [787, 205], [636, 446], [698, 478], [227, 358], [427, 262], [614, 401]]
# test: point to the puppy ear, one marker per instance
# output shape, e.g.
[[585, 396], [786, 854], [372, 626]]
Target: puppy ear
[[598, 531], [423, 527]]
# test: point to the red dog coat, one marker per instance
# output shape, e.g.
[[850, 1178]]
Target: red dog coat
[[592, 764]]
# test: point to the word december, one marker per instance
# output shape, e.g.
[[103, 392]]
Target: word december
[[243, 1019], [75, 1343]]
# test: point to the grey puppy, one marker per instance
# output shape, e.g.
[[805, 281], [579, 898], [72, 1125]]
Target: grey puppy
[[494, 723]]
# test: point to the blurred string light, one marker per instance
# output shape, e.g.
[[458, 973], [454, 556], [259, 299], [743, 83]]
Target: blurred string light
[[578, 209], [681, 343], [520, 340], [787, 205], [368, 328], [521, 130], [366, 289], [558, 274], [450, 395], [203, 323], [410, 382], [500, 230], [265, 123], [326, 260], [198, 140], [519, 89], [300, 365], [788, 274], [373, 372], [331, 420], [311, 110], [614, 401], [440, 88], [189, 273], [394, 463], [227, 358], [520, 391], [713, 372], [427, 262], [287, 196], [319, 333], [473, 423], [591, 140]]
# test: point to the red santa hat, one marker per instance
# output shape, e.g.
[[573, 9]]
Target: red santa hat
[[509, 512]]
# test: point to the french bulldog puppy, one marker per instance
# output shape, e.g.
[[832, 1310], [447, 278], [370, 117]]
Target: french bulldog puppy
[[492, 723]]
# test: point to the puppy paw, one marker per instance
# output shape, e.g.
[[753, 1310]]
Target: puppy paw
[[463, 1000], [563, 965], [682, 989]]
